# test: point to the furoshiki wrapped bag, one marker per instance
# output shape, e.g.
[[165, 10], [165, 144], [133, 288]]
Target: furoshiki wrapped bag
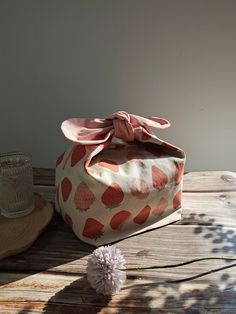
[[117, 178]]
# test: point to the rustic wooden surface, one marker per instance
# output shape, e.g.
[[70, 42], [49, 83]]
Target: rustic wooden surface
[[50, 276]]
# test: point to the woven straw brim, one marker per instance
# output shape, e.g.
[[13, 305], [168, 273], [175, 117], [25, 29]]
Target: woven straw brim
[[18, 234]]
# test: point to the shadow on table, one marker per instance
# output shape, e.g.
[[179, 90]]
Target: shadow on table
[[56, 246], [217, 297], [221, 238], [80, 296], [214, 298], [210, 299]]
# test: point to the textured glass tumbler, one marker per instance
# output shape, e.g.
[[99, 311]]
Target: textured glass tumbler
[[16, 184]]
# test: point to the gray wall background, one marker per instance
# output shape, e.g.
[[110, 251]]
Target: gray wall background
[[169, 58]]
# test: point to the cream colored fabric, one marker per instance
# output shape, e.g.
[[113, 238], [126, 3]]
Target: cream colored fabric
[[118, 188]]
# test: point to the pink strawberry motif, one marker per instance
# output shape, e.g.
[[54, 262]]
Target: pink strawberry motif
[[109, 164], [78, 153], [159, 178], [161, 207], [139, 188], [142, 215], [66, 187], [113, 195], [59, 159], [118, 219], [93, 229], [84, 197], [178, 172], [177, 200]]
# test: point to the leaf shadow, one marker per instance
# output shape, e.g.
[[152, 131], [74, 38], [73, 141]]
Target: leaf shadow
[[222, 238], [203, 296]]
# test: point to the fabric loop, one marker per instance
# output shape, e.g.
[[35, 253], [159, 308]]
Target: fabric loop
[[120, 124]]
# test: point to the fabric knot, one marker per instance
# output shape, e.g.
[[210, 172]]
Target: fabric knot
[[123, 128], [121, 124]]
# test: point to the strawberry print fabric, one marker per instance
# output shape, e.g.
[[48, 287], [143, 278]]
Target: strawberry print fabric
[[117, 178]]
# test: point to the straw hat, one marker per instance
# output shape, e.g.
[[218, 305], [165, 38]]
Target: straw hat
[[18, 234]]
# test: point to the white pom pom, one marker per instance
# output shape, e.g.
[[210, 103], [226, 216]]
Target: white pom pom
[[104, 270]]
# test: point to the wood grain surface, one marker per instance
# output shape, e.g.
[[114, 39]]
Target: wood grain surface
[[51, 276]]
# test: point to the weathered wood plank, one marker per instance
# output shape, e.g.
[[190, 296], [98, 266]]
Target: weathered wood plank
[[50, 276], [48, 192], [210, 181], [44, 176], [175, 244], [197, 234], [63, 308], [140, 292], [210, 208]]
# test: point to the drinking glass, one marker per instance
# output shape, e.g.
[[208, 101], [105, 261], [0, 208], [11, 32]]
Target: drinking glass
[[16, 184]]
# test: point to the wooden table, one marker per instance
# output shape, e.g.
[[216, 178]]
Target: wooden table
[[50, 276]]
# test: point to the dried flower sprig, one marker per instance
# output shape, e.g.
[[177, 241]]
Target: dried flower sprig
[[106, 271]]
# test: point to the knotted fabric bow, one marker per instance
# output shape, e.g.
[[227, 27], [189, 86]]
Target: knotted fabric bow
[[121, 124]]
